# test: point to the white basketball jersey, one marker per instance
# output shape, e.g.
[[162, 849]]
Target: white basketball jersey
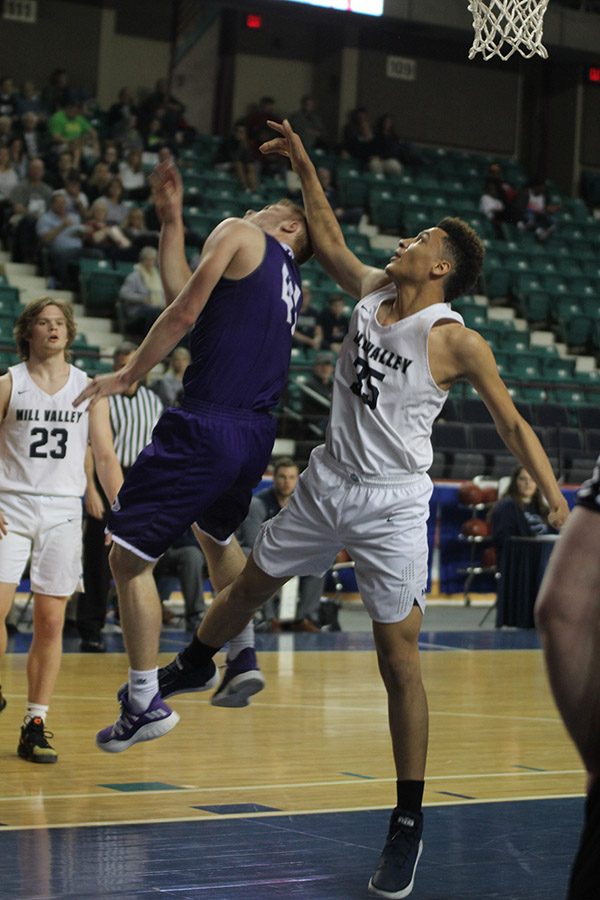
[[384, 397], [43, 438]]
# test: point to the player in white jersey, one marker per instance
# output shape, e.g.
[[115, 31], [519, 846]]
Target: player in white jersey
[[367, 488], [43, 442]]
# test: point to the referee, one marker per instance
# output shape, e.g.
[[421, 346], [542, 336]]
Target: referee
[[133, 415]]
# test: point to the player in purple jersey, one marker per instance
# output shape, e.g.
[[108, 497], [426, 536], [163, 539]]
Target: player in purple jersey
[[207, 455], [567, 614]]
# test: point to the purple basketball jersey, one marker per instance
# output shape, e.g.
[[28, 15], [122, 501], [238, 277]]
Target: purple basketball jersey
[[242, 340]]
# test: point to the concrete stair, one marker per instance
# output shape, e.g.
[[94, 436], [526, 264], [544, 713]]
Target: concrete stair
[[98, 331]]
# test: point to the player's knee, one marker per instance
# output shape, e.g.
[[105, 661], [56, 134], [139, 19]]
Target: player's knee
[[400, 669], [125, 564]]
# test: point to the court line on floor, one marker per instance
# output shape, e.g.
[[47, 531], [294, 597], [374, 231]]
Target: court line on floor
[[279, 814], [301, 785]]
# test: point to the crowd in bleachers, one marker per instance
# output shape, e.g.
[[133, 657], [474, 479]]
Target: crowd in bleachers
[[75, 198]]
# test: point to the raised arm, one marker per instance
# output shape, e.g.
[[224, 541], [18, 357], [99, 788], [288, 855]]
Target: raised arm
[[167, 192], [329, 245], [222, 245]]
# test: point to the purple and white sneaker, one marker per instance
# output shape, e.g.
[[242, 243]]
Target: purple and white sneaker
[[132, 728], [241, 681]]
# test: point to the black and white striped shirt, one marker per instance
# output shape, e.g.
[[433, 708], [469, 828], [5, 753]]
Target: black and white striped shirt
[[132, 419]]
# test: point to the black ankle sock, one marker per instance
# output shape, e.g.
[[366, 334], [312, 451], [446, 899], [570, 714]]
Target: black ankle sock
[[410, 795], [196, 654]]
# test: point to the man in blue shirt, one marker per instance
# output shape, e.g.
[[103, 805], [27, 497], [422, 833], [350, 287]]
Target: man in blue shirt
[[60, 232]]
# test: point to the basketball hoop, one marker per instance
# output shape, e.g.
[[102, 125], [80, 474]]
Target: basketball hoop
[[504, 27]]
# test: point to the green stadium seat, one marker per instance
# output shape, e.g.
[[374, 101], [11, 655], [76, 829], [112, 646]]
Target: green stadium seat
[[576, 330]]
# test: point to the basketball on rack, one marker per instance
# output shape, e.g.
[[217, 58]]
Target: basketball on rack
[[475, 528], [489, 494], [488, 558], [469, 494]]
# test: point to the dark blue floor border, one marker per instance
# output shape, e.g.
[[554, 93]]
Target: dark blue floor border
[[502, 639], [509, 850]]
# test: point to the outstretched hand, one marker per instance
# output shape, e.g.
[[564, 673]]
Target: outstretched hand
[[288, 144], [167, 192], [102, 386]]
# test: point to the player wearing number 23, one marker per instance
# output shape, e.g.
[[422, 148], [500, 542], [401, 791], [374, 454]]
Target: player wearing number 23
[[43, 444]]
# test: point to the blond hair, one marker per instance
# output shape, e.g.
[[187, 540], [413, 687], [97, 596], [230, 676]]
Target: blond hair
[[25, 320]]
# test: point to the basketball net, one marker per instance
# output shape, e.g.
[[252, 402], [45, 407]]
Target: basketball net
[[504, 27]]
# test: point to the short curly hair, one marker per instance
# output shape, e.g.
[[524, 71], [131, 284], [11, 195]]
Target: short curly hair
[[466, 251], [25, 320]]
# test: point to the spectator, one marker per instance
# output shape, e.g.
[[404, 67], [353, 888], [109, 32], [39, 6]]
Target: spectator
[[31, 135], [64, 165], [134, 227], [8, 105], [8, 178], [143, 292], [18, 156], [308, 123], [6, 131], [60, 233], [110, 155], [351, 216], [237, 152], [55, 94], [116, 207], [66, 127], [386, 148], [308, 332], [316, 396], [132, 176], [492, 206], [334, 322], [358, 138], [505, 191], [120, 114], [264, 505], [77, 202], [170, 387], [98, 181], [132, 138], [29, 199], [29, 100], [133, 415], [162, 105], [537, 215], [109, 240], [258, 131], [257, 118], [521, 512], [183, 560]]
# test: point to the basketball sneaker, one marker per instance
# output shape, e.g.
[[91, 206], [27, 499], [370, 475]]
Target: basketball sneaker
[[585, 873], [132, 728], [178, 678], [395, 873], [33, 743], [241, 681]]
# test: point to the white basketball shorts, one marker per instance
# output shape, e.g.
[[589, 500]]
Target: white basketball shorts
[[382, 523], [49, 529]]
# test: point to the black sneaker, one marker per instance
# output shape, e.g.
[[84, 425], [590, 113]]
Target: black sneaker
[[92, 646], [2, 701], [177, 678], [585, 874], [33, 744], [395, 873]]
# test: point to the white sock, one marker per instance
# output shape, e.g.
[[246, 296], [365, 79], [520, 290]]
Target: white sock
[[143, 686], [35, 710], [244, 639]]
